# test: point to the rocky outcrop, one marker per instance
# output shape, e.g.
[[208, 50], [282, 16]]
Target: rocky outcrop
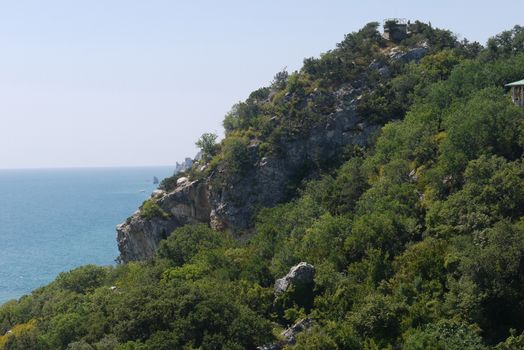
[[188, 203], [138, 238], [185, 165], [289, 336], [300, 274], [265, 184], [398, 54], [410, 55], [269, 180]]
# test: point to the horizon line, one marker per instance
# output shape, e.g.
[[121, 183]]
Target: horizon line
[[87, 167]]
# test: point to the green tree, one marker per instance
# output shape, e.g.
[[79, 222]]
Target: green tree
[[207, 144], [444, 336], [185, 242]]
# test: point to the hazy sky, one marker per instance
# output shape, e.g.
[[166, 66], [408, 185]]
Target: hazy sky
[[128, 82]]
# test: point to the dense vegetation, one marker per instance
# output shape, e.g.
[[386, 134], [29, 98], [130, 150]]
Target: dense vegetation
[[418, 241]]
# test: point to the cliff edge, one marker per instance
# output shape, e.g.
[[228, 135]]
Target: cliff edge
[[208, 193]]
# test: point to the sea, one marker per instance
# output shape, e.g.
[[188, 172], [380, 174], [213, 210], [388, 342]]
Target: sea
[[53, 220]]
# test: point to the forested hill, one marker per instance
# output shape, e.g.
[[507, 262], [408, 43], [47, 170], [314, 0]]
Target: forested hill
[[408, 236]]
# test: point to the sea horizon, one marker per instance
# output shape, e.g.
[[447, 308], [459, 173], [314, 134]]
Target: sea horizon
[[87, 167], [55, 219]]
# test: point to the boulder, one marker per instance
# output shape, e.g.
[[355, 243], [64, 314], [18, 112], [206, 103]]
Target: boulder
[[182, 181], [300, 274]]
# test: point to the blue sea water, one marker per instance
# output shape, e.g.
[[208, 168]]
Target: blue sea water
[[53, 220]]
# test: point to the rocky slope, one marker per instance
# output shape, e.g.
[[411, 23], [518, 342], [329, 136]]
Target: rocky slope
[[270, 178]]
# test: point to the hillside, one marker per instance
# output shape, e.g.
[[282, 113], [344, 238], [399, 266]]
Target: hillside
[[374, 199]]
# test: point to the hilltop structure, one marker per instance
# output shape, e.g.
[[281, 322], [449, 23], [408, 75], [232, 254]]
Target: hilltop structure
[[517, 92], [396, 29]]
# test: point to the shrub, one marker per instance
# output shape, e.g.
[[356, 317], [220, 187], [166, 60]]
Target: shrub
[[444, 336], [150, 209], [83, 279], [185, 242], [235, 155]]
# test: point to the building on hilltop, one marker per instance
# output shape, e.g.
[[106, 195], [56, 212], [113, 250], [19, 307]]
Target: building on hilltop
[[517, 92], [396, 29]]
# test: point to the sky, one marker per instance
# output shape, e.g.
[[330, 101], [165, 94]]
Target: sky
[[90, 83]]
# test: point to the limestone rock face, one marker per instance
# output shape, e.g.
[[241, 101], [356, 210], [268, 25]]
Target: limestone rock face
[[411, 55], [139, 237], [271, 177], [188, 203], [300, 274], [268, 181], [266, 184]]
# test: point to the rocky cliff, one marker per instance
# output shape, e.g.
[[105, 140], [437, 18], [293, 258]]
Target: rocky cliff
[[139, 236], [269, 178]]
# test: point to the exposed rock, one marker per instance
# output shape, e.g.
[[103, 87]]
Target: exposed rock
[[232, 202], [215, 222], [289, 336], [411, 55], [138, 238], [291, 333], [188, 203], [413, 177], [300, 274], [185, 165], [275, 346], [345, 97], [265, 184], [269, 180], [157, 193], [181, 181], [381, 67]]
